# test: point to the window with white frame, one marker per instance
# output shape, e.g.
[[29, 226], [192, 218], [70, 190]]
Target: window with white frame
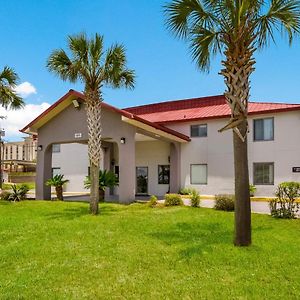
[[263, 129], [198, 174], [263, 173], [55, 148], [199, 130]]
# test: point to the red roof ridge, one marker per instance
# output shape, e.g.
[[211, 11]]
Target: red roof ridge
[[177, 104], [280, 103]]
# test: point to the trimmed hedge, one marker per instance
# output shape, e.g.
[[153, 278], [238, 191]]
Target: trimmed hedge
[[224, 202], [173, 200]]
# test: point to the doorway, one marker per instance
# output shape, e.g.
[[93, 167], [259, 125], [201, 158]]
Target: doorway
[[141, 180]]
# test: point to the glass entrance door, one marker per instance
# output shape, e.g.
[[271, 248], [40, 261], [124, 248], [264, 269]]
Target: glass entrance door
[[141, 180]]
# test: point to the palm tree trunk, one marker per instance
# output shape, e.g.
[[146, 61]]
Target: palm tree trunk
[[242, 193], [59, 193], [238, 68], [93, 108]]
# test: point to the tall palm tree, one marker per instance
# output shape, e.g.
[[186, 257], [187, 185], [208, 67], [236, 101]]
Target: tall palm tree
[[9, 99], [88, 62], [236, 29]]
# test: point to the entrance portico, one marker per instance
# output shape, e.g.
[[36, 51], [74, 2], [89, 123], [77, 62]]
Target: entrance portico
[[65, 123]]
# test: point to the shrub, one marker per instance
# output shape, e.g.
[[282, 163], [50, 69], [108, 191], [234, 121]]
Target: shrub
[[252, 190], [152, 201], [285, 205], [173, 200], [5, 195], [224, 202], [195, 199], [185, 191], [18, 193]]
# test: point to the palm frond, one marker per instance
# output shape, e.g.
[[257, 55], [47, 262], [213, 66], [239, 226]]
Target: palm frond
[[115, 71], [8, 76], [60, 64], [9, 99], [182, 15], [282, 16]]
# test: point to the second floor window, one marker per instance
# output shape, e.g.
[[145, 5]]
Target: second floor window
[[199, 130], [264, 129]]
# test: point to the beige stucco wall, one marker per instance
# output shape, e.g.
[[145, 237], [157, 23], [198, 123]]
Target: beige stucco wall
[[151, 154], [216, 151], [73, 162]]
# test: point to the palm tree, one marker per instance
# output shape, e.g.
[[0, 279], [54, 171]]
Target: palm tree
[[9, 99], [58, 182], [89, 63], [235, 29]]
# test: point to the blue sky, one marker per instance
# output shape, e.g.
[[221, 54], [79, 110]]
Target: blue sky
[[32, 29]]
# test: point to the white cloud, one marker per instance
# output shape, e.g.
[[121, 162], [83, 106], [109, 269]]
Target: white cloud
[[18, 119], [25, 89]]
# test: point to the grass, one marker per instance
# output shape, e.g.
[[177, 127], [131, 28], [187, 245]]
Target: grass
[[55, 250]]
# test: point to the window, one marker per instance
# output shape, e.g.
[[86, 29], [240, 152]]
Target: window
[[56, 171], [199, 174], [55, 148], [264, 129], [163, 174], [199, 130], [263, 173]]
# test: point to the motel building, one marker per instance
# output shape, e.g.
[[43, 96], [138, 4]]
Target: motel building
[[162, 147]]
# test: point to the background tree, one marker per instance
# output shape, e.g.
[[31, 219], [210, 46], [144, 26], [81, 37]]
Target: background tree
[[236, 29], [9, 99], [89, 63]]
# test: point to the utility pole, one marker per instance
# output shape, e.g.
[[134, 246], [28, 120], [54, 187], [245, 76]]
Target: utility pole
[[2, 134]]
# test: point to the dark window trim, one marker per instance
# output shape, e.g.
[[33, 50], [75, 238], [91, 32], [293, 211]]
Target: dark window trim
[[158, 174], [198, 135], [263, 140], [54, 168], [206, 174], [259, 163]]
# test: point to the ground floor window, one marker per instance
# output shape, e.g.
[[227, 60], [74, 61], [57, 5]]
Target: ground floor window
[[199, 174], [163, 174], [56, 171], [263, 173]]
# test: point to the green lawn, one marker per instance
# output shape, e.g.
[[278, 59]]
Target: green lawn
[[52, 250]]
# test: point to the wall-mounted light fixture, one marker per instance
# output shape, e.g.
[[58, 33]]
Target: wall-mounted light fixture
[[40, 147], [113, 162], [76, 103], [123, 140]]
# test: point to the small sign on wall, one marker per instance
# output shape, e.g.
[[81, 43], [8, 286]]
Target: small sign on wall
[[296, 169], [78, 135]]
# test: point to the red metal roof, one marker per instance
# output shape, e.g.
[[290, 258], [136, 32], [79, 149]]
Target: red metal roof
[[201, 108]]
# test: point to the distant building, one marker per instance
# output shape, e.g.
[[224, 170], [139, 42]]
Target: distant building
[[20, 156]]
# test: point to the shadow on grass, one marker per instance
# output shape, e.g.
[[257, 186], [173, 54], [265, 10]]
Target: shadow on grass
[[78, 212], [195, 239]]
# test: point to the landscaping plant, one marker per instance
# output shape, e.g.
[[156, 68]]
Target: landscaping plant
[[224, 202], [58, 182], [195, 198], [236, 30], [107, 179], [173, 200], [252, 190], [89, 63], [152, 201], [285, 205], [18, 193]]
